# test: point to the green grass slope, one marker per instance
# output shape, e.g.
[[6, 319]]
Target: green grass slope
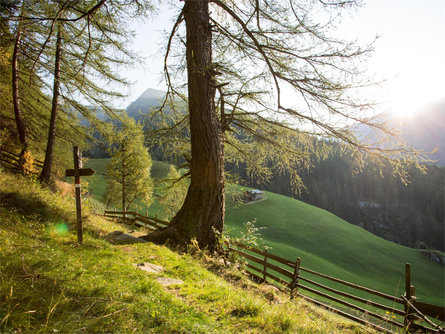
[[332, 246], [50, 284], [325, 242]]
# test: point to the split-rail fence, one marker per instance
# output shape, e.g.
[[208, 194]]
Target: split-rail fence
[[384, 312], [10, 160]]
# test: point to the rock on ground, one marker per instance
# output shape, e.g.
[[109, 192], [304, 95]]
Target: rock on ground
[[149, 267], [121, 238]]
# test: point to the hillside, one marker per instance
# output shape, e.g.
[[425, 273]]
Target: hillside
[[48, 283], [331, 245], [408, 214], [327, 243]]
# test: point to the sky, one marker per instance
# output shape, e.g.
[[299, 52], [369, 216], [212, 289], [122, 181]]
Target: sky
[[409, 53]]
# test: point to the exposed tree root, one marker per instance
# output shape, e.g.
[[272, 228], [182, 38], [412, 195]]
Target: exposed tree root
[[165, 236]]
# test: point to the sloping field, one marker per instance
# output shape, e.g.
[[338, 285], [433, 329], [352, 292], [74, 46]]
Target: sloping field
[[324, 242], [50, 284], [331, 245]]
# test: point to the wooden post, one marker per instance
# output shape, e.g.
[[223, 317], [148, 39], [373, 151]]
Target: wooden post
[[408, 317], [265, 266], [293, 284], [77, 165], [77, 172], [413, 292]]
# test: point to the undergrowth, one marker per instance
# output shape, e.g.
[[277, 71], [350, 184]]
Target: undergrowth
[[50, 284]]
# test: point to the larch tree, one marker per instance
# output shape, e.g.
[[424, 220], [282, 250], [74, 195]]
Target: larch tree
[[45, 175], [95, 47], [242, 58], [18, 114], [82, 45], [128, 174]]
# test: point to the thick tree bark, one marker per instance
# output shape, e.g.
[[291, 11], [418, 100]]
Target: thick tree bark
[[202, 214], [45, 175], [23, 138]]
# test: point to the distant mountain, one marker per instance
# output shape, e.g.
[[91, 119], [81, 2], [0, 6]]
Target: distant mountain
[[148, 99]]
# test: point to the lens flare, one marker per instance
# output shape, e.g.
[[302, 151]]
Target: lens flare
[[61, 228]]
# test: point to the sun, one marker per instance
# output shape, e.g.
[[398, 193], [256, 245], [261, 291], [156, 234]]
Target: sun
[[405, 105], [403, 112]]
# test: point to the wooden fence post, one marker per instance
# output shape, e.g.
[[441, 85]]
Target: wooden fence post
[[265, 266], [408, 318], [293, 284]]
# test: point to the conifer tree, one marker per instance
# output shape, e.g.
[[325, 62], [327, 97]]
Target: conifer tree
[[83, 57], [128, 174], [240, 58]]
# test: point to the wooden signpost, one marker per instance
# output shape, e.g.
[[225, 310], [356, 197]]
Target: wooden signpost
[[77, 172]]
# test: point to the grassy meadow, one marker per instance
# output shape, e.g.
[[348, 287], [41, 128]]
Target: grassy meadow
[[50, 284], [325, 242], [330, 245]]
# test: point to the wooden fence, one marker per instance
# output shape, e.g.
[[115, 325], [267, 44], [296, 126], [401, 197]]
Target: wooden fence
[[135, 218], [10, 160], [293, 276], [384, 313]]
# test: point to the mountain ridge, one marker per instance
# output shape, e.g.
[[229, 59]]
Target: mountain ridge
[[424, 130], [150, 98]]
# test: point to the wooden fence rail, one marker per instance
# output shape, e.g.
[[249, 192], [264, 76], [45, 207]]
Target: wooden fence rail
[[290, 275], [135, 217], [10, 160], [294, 281]]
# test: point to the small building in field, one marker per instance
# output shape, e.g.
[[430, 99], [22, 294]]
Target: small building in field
[[253, 195]]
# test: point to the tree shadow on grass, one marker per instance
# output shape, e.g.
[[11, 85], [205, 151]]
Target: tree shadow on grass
[[30, 206]]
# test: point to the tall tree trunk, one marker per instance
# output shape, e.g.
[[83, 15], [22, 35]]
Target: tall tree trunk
[[202, 213], [124, 193], [23, 138], [45, 176], [124, 185]]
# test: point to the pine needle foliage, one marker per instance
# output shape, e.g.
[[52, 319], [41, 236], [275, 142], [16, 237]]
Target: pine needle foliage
[[264, 52], [128, 174]]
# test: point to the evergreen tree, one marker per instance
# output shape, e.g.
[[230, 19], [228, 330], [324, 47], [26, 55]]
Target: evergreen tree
[[128, 174], [82, 45], [239, 57]]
